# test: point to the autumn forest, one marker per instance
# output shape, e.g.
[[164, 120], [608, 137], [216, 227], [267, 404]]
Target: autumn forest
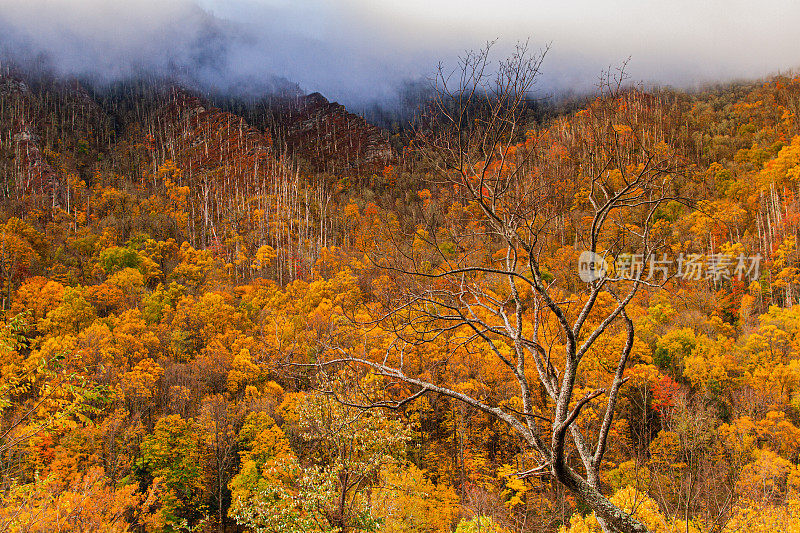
[[269, 314]]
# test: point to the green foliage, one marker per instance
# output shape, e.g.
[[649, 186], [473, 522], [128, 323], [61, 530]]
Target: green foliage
[[672, 348], [346, 449], [160, 299], [117, 258], [173, 453]]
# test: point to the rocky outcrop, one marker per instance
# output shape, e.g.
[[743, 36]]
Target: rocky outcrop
[[331, 139], [208, 143], [22, 162]]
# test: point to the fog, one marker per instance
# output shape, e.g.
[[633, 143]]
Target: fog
[[361, 51]]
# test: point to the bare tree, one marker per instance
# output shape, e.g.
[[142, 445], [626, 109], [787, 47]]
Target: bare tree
[[475, 275], [219, 421]]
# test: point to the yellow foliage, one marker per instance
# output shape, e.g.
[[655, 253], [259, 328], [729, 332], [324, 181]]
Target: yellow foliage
[[409, 502], [758, 517], [141, 380], [642, 507], [243, 371], [768, 478], [88, 504], [711, 363], [264, 257]]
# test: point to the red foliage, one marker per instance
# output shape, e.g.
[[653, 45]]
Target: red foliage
[[664, 391]]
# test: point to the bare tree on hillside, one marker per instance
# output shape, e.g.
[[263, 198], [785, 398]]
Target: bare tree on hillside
[[479, 271]]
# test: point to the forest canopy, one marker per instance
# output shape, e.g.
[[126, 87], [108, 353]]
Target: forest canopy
[[207, 330]]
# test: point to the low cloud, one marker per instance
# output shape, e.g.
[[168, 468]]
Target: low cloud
[[359, 52]]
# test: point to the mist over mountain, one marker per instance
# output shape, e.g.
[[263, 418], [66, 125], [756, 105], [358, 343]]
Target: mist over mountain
[[365, 53]]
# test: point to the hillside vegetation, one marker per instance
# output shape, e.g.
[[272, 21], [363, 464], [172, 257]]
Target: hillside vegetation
[[177, 286]]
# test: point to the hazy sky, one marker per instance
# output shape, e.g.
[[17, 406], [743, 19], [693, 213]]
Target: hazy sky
[[355, 51]]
